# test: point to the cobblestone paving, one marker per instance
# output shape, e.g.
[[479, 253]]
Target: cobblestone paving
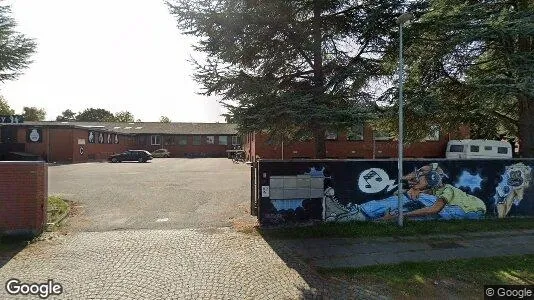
[[171, 264]]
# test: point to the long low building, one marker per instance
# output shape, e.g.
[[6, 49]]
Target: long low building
[[74, 142], [361, 142]]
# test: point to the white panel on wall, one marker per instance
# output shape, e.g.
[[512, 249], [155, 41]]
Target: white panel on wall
[[276, 182], [277, 193], [290, 182], [316, 193], [317, 183]]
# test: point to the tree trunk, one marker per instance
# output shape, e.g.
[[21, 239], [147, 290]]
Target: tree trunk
[[318, 78], [526, 127], [320, 144]]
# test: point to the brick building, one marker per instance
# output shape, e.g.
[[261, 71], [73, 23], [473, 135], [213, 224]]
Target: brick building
[[361, 142], [74, 142]]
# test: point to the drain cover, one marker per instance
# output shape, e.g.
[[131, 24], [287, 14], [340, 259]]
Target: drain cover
[[445, 245]]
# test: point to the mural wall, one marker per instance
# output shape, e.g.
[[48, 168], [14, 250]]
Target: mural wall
[[366, 190]]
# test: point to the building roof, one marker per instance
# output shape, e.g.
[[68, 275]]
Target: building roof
[[144, 127]]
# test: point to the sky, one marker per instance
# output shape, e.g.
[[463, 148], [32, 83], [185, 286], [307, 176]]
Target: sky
[[112, 54]]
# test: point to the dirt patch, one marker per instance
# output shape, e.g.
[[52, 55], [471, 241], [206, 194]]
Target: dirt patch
[[247, 225], [76, 220]]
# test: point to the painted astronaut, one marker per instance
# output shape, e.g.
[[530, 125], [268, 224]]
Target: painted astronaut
[[510, 190], [428, 197]]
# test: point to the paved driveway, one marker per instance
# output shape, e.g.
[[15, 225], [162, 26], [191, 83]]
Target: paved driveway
[[162, 194], [171, 264], [204, 260]]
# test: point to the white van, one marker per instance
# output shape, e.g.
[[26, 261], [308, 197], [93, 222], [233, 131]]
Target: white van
[[478, 149]]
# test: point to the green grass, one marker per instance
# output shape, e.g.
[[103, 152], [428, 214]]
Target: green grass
[[411, 228], [464, 278], [57, 207]]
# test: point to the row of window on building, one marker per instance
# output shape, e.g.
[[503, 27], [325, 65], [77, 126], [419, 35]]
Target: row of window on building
[[196, 140], [356, 133]]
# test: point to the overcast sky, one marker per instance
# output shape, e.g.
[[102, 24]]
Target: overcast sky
[[112, 54]]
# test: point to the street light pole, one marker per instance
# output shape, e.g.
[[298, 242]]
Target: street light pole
[[401, 20]]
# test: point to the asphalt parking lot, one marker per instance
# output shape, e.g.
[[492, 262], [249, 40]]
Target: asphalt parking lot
[[166, 193]]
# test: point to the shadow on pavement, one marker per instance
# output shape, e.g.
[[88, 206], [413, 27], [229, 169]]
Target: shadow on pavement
[[9, 247], [319, 286]]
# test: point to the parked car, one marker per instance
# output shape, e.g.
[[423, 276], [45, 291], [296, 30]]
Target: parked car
[[131, 155], [161, 153]]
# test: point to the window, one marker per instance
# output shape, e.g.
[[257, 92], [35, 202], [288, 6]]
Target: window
[[182, 140], [331, 135], [434, 134], [488, 148], [474, 148], [223, 140], [155, 140], [456, 148], [168, 140], [142, 140], [236, 140], [197, 140], [381, 136], [502, 150], [355, 133], [210, 140]]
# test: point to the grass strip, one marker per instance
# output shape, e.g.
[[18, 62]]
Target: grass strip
[[462, 277], [410, 228]]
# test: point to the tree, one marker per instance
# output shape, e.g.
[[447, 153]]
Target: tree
[[95, 115], [15, 48], [292, 68], [124, 117], [228, 118], [33, 113], [471, 62], [5, 109], [164, 119], [66, 115]]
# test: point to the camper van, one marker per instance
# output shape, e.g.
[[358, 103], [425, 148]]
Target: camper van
[[478, 149]]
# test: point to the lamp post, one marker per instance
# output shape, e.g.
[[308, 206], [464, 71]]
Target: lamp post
[[401, 21]]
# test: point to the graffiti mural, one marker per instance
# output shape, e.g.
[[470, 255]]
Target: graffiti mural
[[511, 189], [367, 190]]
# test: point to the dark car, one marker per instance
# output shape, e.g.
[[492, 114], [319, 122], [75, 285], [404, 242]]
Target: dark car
[[131, 155]]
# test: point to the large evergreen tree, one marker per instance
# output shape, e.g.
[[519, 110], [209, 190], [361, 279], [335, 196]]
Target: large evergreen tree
[[15, 48], [470, 62], [293, 68]]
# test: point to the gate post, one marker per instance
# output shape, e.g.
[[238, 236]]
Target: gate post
[[253, 189]]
